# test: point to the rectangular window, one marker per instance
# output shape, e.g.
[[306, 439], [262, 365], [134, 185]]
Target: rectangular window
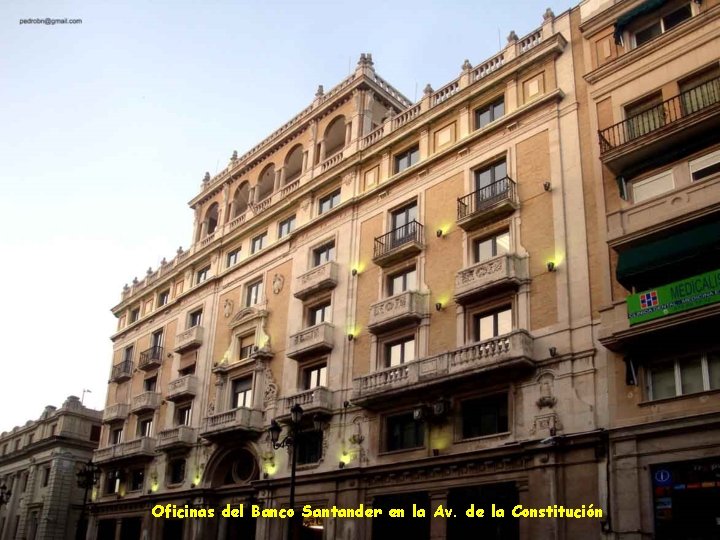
[[662, 25], [111, 481], [315, 376], [407, 159], [164, 297], [128, 353], [491, 181], [45, 476], [491, 247], [687, 375], [31, 438], [492, 324], [242, 392], [328, 202], [258, 243], [402, 281], [309, 447], [648, 188], [253, 293], [700, 90], [116, 436], [324, 253], [318, 314], [286, 226], [195, 318], [137, 479], [400, 351], [232, 257], [644, 116], [177, 471], [157, 339], [190, 370], [202, 275], [705, 166], [150, 384], [489, 113], [135, 315], [484, 416], [402, 432], [145, 427], [247, 343], [182, 415], [95, 433]]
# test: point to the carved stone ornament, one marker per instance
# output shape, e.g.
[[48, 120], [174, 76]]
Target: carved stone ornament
[[228, 306], [271, 388], [277, 283]]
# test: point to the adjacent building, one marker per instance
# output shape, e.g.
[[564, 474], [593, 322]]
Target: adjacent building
[[650, 83], [39, 463]]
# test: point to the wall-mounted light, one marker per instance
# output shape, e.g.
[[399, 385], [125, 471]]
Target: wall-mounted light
[[547, 186], [551, 266], [341, 465], [350, 337], [553, 351], [439, 233], [438, 306], [354, 271]]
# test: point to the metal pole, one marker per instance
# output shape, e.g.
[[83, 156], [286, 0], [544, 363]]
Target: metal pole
[[293, 463]]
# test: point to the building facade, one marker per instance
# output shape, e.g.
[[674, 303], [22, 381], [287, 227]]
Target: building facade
[[38, 468], [417, 278], [651, 87]]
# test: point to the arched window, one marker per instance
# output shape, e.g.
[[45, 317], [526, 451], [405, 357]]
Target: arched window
[[241, 199], [334, 136], [211, 219], [293, 164], [238, 466], [266, 183]]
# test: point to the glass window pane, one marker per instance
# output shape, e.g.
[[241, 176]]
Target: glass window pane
[[676, 17], [483, 118], [483, 178], [486, 327], [504, 322], [662, 380], [411, 281], [498, 110], [409, 352], [502, 242], [647, 34], [691, 375], [395, 355], [484, 250], [323, 376], [500, 170]]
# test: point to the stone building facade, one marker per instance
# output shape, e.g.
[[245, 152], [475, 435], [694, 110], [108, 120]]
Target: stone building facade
[[38, 466], [649, 83]]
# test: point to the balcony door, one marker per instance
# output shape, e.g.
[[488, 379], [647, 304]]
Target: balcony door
[[490, 182], [403, 223]]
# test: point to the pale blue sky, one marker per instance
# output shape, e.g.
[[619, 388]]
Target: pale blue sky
[[106, 129]]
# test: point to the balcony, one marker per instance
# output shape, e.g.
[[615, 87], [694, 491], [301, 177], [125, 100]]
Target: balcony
[[192, 338], [320, 278], [145, 402], [151, 358], [176, 438], [143, 447], [115, 413], [317, 339], [404, 308], [240, 421], [661, 130], [122, 371], [509, 353], [487, 203], [398, 244], [503, 272], [182, 388], [315, 401]]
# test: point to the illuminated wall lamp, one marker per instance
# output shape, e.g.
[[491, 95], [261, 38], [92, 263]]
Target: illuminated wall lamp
[[551, 266], [354, 272], [439, 233], [438, 306], [351, 337], [547, 186]]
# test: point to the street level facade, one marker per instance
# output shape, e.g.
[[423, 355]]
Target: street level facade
[[39, 462]]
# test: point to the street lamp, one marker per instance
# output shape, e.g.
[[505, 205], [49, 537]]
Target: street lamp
[[291, 440], [86, 478], [5, 494]]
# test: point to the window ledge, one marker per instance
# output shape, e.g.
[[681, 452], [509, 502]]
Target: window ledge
[[649, 403], [499, 436], [401, 451]]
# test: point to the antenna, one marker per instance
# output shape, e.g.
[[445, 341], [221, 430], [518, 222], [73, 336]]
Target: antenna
[[415, 97], [499, 40], [85, 391], [349, 65]]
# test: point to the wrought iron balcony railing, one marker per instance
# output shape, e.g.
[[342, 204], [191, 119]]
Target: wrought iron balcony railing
[[151, 358], [684, 105], [121, 371], [486, 197], [397, 238]]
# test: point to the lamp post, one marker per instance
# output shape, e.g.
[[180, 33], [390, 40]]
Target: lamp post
[[5, 494], [86, 478], [291, 440]]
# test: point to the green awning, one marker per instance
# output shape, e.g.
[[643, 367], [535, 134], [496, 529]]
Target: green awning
[[686, 251], [626, 18]]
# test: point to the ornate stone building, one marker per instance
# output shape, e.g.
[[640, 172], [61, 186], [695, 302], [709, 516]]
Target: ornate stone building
[[649, 98], [38, 468], [416, 277]]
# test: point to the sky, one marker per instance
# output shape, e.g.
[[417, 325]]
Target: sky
[[107, 128]]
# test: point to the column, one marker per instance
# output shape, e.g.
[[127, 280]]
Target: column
[[424, 144], [438, 527], [322, 151], [305, 160]]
